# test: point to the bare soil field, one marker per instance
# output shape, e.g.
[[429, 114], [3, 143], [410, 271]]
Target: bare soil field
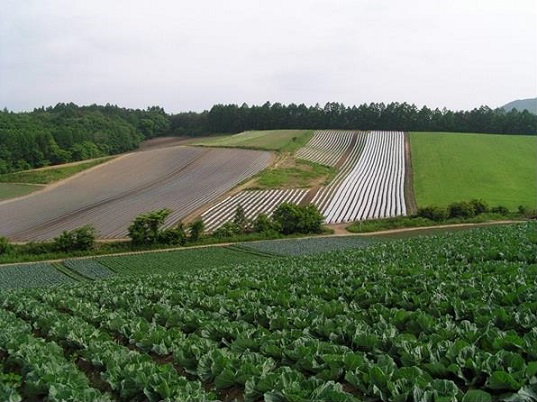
[[110, 196]]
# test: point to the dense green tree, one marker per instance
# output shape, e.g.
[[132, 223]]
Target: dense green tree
[[146, 228], [82, 238], [292, 218]]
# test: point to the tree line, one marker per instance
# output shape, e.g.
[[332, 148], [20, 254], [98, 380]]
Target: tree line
[[67, 132], [232, 118]]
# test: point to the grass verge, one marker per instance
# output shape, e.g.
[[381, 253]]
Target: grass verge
[[403, 222], [13, 190], [50, 174]]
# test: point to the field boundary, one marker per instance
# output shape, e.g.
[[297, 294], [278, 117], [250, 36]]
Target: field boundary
[[410, 199]]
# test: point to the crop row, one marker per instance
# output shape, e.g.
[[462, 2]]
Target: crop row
[[375, 186], [442, 317], [110, 196], [307, 246], [327, 147], [253, 203]]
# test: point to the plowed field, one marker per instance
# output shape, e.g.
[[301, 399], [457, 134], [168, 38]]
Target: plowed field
[[110, 196]]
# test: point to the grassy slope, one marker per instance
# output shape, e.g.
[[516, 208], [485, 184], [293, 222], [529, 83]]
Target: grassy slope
[[50, 174], [272, 140], [12, 190], [452, 167]]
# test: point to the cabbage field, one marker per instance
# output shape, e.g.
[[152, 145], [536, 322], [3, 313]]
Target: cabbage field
[[443, 318]]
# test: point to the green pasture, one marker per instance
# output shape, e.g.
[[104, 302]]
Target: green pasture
[[13, 190], [449, 167], [49, 174], [271, 140], [303, 174]]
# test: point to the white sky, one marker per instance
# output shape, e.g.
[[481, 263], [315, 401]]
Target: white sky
[[191, 55]]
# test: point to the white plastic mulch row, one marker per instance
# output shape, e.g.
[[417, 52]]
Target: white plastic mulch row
[[326, 147], [374, 188], [325, 194], [253, 202]]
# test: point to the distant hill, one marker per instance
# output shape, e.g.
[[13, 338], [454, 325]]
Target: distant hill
[[521, 104]]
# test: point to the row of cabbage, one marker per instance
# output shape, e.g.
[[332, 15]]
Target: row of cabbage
[[440, 318], [307, 246]]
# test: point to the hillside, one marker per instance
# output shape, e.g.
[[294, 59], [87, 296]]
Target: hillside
[[522, 104]]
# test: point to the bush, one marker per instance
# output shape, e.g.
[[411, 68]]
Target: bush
[[145, 229], [240, 220], [4, 245], [291, 218], [263, 224], [82, 238], [433, 213], [500, 209], [480, 206], [461, 209], [195, 230], [173, 236], [228, 229]]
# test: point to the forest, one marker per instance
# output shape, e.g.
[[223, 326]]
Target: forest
[[67, 132]]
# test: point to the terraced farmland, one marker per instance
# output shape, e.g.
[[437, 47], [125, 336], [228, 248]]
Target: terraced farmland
[[345, 326], [110, 196]]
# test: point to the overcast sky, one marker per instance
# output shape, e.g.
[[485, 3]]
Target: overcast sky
[[190, 55]]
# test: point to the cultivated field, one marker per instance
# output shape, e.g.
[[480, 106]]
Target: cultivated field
[[253, 202], [274, 140], [450, 167], [110, 196], [370, 182], [374, 185], [344, 326]]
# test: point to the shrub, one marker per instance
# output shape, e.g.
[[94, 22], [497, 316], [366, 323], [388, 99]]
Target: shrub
[[291, 218], [173, 236], [240, 220], [228, 229], [461, 209], [145, 229], [262, 224], [433, 213], [480, 206], [4, 245], [82, 238], [195, 230], [500, 209]]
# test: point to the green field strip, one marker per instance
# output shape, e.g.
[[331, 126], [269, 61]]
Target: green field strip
[[452, 167], [14, 190]]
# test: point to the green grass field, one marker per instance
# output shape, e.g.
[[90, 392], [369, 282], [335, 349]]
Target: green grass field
[[50, 174], [449, 167], [302, 174], [12, 190], [272, 140]]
